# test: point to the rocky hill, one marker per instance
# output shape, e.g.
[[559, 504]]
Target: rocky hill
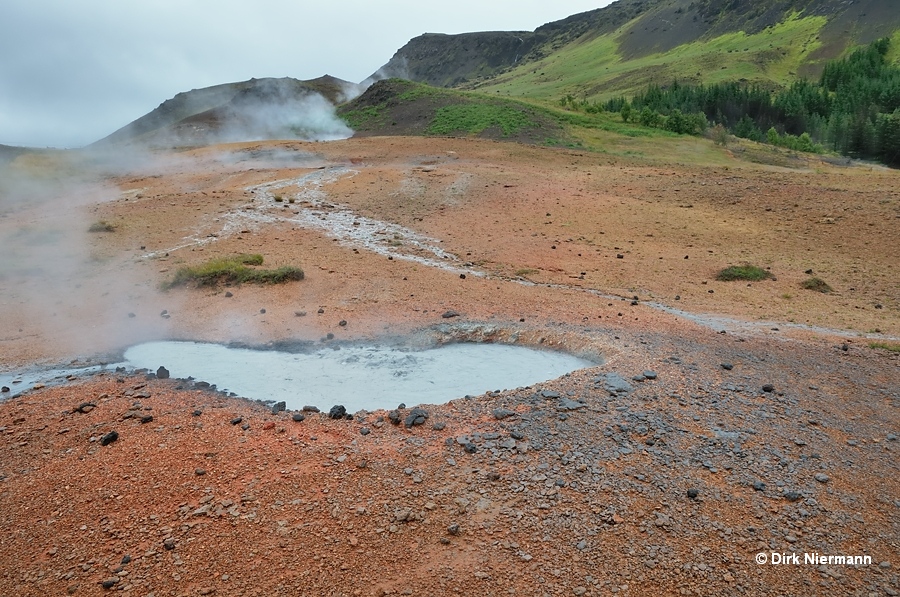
[[254, 109], [771, 41]]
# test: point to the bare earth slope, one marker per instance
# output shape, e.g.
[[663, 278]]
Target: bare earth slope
[[671, 486]]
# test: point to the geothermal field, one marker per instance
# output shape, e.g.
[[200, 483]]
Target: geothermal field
[[656, 430]]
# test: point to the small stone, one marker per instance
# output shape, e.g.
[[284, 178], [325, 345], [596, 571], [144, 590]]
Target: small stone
[[236, 420], [649, 374], [453, 529], [109, 438], [693, 493], [162, 373], [502, 413], [262, 311], [245, 426], [84, 407], [297, 417], [197, 413], [439, 426], [337, 412], [768, 388], [199, 472], [759, 486], [146, 419], [792, 496], [727, 366], [310, 409], [320, 311], [470, 448], [4, 389], [228, 294], [343, 323], [822, 478], [416, 417], [126, 559], [169, 543], [394, 417], [279, 407], [450, 314], [110, 582], [365, 431]]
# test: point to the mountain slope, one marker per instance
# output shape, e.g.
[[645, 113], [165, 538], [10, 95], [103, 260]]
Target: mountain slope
[[630, 43], [258, 108]]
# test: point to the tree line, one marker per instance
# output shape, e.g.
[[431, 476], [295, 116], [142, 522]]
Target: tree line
[[853, 109]]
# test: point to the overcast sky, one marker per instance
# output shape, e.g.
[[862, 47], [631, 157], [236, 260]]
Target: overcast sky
[[73, 71]]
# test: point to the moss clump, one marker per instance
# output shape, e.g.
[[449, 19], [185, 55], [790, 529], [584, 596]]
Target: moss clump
[[101, 226], [233, 270], [750, 273], [885, 346], [817, 284]]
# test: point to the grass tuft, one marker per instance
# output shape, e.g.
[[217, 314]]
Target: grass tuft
[[233, 270], [101, 226], [885, 346], [817, 284], [750, 273]]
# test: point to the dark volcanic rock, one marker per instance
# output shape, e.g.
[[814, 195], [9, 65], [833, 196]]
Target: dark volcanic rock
[[162, 373], [84, 407], [297, 417], [337, 412], [310, 409], [416, 416], [615, 384], [279, 407], [450, 314], [109, 438], [502, 413], [236, 420]]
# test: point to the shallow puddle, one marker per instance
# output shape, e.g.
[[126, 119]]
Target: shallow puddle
[[357, 377]]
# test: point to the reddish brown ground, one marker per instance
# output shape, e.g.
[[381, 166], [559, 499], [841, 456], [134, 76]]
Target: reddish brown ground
[[291, 510]]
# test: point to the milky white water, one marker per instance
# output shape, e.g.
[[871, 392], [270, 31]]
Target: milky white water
[[357, 377]]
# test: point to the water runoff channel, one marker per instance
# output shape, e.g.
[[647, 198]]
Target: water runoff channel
[[356, 376]]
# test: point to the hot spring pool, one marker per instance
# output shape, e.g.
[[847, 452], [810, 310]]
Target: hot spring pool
[[358, 377]]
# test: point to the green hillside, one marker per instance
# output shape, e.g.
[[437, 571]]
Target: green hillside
[[630, 44], [596, 69]]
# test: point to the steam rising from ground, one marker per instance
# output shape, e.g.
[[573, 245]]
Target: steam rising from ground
[[55, 279]]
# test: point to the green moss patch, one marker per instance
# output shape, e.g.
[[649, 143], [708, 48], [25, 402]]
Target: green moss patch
[[237, 269]]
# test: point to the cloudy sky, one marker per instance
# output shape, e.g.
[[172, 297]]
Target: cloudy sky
[[73, 71]]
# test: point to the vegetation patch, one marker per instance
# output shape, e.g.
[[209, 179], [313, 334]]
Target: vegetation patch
[[101, 226], [237, 269], [817, 284], [750, 273], [398, 107], [475, 118], [885, 346]]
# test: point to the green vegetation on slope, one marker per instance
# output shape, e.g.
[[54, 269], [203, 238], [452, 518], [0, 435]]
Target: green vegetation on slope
[[854, 109], [595, 69], [398, 107]]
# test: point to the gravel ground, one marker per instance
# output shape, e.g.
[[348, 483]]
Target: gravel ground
[[661, 471]]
